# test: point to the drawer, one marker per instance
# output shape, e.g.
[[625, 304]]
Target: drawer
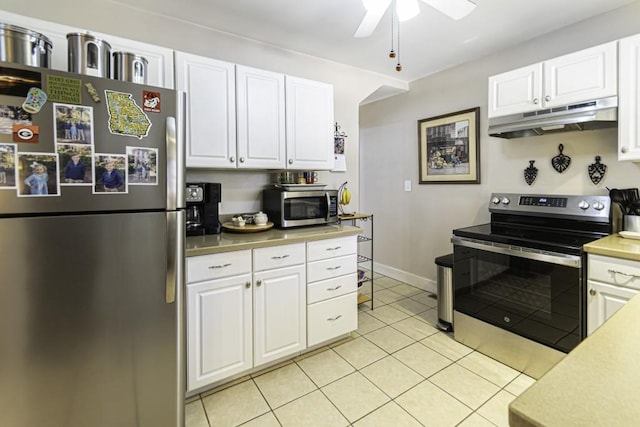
[[325, 289], [215, 266], [328, 248], [332, 318], [278, 256], [332, 267], [615, 271]]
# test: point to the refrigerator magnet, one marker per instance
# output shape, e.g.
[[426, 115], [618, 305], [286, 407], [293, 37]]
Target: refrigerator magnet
[[38, 175], [7, 166], [26, 133], [125, 116], [151, 101]]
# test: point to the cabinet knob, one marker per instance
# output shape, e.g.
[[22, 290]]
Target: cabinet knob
[[259, 283], [592, 292], [547, 98], [623, 150], [241, 159], [247, 285], [232, 159], [290, 161], [535, 101]]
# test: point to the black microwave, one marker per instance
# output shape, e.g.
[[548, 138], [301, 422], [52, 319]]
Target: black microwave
[[299, 208]]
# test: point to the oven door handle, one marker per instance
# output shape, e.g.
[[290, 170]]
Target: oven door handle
[[520, 252]]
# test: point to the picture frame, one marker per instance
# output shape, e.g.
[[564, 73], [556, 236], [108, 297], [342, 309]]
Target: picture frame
[[449, 148]]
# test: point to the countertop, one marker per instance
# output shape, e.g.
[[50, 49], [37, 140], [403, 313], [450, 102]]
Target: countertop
[[615, 246], [596, 384], [227, 242]]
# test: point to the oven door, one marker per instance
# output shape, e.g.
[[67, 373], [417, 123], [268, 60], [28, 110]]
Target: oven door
[[535, 294]]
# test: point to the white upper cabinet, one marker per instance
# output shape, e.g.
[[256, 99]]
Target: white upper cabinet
[[160, 59], [580, 76], [260, 118], [211, 110], [629, 99], [309, 124]]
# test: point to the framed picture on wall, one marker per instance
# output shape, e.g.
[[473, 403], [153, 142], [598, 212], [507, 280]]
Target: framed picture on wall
[[449, 148]]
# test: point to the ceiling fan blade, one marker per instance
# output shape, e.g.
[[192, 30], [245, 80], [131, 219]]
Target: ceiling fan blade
[[455, 9], [372, 18]]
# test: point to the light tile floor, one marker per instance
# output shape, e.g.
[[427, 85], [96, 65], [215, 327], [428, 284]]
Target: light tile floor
[[397, 369]]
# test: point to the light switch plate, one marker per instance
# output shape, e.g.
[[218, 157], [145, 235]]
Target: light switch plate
[[407, 185]]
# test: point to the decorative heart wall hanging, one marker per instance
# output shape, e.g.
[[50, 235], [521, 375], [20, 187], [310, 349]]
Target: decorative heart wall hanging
[[560, 162], [530, 173], [596, 171]]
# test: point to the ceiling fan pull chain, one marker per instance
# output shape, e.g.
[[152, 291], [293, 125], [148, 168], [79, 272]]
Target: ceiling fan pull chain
[[392, 53]]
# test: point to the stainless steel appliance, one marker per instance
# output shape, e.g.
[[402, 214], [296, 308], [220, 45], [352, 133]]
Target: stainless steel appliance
[[92, 274], [299, 208], [24, 46], [130, 67], [519, 285], [202, 208], [88, 55]]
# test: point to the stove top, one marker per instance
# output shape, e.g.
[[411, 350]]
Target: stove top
[[560, 224]]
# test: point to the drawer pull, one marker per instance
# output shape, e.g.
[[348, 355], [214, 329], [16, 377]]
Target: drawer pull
[[219, 266], [280, 257], [635, 276], [334, 268], [333, 319], [334, 249], [334, 289]]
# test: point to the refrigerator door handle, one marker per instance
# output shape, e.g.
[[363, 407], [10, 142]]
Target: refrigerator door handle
[[176, 236], [175, 141]]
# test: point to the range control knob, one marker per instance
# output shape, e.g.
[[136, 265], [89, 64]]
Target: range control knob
[[584, 205], [505, 201], [598, 206], [495, 200]]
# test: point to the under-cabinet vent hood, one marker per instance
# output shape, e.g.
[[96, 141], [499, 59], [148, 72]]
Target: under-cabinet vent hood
[[596, 114]]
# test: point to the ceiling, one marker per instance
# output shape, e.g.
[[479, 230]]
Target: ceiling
[[430, 42]]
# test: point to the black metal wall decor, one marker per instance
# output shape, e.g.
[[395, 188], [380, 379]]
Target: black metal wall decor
[[596, 171], [560, 162], [530, 173]]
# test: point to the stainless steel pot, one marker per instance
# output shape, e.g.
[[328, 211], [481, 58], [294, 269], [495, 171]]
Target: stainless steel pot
[[129, 67], [88, 55], [23, 46]]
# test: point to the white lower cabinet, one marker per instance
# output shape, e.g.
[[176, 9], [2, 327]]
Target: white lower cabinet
[[332, 299], [219, 317], [279, 303], [611, 283]]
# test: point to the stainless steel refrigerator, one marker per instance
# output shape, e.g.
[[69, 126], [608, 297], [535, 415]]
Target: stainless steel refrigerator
[[91, 251]]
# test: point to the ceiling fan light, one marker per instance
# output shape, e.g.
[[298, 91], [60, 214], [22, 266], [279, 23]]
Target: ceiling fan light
[[407, 9]]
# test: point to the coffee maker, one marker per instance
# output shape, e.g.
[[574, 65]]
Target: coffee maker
[[202, 208]]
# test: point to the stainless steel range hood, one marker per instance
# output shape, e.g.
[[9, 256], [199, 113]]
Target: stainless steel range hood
[[596, 114]]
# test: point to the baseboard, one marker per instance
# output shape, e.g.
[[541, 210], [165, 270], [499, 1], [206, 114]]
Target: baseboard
[[403, 276]]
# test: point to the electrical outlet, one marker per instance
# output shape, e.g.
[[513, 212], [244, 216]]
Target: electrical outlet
[[407, 185]]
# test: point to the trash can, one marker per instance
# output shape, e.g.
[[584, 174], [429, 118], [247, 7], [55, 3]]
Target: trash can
[[444, 279]]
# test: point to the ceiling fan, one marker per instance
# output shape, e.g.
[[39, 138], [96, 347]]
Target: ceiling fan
[[407, 9]]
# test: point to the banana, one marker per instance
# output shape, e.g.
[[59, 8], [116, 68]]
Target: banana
[[346, 196]]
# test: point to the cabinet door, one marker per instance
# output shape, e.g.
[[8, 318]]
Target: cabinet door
[[515, 91], [280, 324], [309, 124], [218, 330], [211, 114], [261, 118], [581, 76], [603, 301], [629, 99]]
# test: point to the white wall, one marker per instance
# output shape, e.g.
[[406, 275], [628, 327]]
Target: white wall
[[240, 190], [412, 228]]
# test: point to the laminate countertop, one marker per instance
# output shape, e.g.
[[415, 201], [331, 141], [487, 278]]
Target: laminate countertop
[[597, 383], [228, 242], [615, 246]]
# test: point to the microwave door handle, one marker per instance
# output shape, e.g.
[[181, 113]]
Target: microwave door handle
[[328, 197]]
